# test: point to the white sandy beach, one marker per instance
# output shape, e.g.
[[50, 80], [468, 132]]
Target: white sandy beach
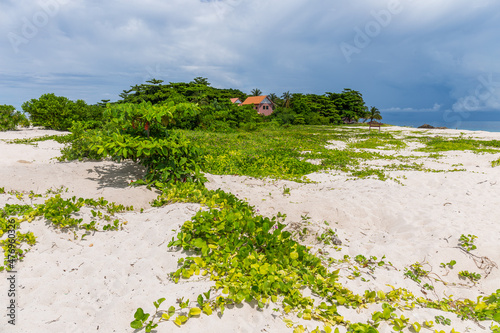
[[96, 284]]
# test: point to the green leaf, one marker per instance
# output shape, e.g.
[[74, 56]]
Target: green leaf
[[194, 312], [171, 311], [180, 320], [137, 324], [200, 300], [140, 315], [264, 269], [158, 303], [207, 309]]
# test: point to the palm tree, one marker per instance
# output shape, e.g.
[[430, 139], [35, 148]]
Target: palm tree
[[286, 99], [374, 113], [256, 92], [272, 97]]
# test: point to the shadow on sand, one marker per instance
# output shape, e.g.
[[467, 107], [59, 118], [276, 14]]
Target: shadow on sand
[[116, 175]]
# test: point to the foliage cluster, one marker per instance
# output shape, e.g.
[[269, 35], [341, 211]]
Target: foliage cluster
[[215, 110], [10, 118], [218, 113], [467, 242], [311, 109], [57, 112], [139, 132], [60, 213]]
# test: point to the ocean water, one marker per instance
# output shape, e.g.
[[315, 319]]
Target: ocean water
[[472, 121]]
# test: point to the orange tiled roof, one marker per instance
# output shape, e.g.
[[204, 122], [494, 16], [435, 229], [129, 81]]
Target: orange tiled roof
[[254, 100]]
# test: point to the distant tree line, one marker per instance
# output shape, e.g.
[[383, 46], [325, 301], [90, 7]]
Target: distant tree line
[[217, 112]]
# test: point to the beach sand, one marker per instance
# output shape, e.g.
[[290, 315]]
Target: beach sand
[[96, 284]]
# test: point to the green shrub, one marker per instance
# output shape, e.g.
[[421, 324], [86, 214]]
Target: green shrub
[[225, 116], [10, 118], [59, 113], [79, 145], [139, 132]]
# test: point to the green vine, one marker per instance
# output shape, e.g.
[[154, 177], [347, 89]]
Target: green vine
[[251, 258], [60, 213]]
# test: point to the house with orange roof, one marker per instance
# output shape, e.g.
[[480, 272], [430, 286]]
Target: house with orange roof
[[236, 100], [262, 104]]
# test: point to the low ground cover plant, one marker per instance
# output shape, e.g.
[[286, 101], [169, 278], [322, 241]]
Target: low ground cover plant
[[252, 258], [439, 144], [60, 213]]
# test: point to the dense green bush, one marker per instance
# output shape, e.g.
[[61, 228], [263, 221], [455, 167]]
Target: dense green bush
[[223, 116], [10, 118], [139, 132], [59, 113]]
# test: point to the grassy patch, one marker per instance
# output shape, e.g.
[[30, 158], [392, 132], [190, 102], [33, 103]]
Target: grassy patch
[[440, 144], [282, 153]]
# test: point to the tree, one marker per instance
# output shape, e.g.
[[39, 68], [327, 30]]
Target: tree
[[273, 98], [201, 80], [349, 103], [286, 99], [374, 113], [256, 92]]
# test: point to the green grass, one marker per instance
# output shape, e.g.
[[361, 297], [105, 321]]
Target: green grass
[[460, 144], [282, 153]]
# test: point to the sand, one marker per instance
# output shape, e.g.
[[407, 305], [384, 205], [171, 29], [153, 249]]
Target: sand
[[96, 284]]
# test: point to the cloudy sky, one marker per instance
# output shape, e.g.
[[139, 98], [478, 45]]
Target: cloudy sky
[[402, 55]]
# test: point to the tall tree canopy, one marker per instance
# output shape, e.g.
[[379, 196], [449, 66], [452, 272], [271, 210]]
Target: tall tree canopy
[[349, 103]]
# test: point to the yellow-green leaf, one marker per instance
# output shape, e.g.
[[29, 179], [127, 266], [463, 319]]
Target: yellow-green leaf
[[299, 329], [480, 306], [194, 312], [207, 309], [180, 320]]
